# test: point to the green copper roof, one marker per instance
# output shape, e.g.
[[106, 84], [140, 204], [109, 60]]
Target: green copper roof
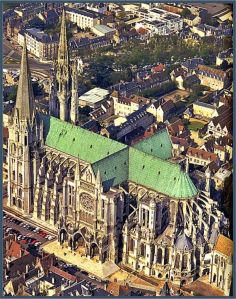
[[114, 169], [162, 176], [78, 142], [118, 163], [158, 145]]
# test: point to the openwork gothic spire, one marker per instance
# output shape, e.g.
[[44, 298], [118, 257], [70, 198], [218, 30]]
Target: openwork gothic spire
[[63, 48], [63, 57]]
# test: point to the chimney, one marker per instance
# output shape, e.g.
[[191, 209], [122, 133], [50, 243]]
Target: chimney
[[53, 280]]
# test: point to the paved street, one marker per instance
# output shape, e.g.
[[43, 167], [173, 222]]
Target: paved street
[[9, 223], [23, 231], [95, 268], [16, 56]]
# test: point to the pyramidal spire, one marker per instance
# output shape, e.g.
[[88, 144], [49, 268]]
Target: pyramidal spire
[[25, 96], [63, 49]]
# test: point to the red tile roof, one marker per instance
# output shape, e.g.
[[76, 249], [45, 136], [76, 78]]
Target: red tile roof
[[224, 245], [199, 153], [15, 250], [142, 31], [63, 273], [181, 141], [117, 290], [158, 68]]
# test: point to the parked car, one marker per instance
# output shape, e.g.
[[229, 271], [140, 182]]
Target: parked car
[[23, 241]]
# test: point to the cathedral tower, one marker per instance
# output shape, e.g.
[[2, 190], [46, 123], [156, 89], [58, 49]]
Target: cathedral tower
[[63, 72], [25, 137]]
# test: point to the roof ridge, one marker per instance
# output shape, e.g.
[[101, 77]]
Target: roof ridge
[[87, 131], [146, 154]]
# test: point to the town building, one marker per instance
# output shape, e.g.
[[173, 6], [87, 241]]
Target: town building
[[104, 111], [214, 78], [190, 65], [221, 264], [103, 30], [28, 11], [100, 8], [49, 17], [200, 157], [221, 125], [219, 178], [124, 106], [94, 97], [201, 109], [84, 18], [226, 55], [40, 44], [192, 20], [130, 126], [160, 21], [162, 111]]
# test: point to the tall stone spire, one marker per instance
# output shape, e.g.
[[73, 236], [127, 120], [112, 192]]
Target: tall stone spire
[[25, 96], [62, 73], [63, 56]]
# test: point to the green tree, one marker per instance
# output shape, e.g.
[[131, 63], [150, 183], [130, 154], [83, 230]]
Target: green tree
[[224, 65], [129, 74], [85, 110], [211, 21], [185, 13], [10, 5], [159, 90], [37, 89], [11, 96]]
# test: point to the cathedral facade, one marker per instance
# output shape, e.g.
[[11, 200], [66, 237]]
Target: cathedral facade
[[106, 200]]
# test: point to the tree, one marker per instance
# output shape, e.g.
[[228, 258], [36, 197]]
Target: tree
[[10, 5], [37, 89], [159, 90], [121, 15], [11, 96], [129, 74], [185, 13], [211, 21], [224, 65], [85, 110]]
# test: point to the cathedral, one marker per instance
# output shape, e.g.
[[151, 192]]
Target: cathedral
[[119, 203]]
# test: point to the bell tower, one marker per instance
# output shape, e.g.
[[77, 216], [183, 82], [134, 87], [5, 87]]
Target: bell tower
[[25, 139], [63, 72]]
